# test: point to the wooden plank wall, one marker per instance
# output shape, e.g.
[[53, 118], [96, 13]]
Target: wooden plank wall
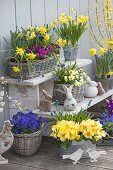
[[22, 13]]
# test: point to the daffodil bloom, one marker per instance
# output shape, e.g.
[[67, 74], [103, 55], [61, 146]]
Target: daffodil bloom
[[110, 73], [69, 18], [92, 52], [31, 56], [32, 35], [46, 37], [19, 51], [82, 19], [16, 69], [30, 28], [102, 51], [36, 29], [61, 42], [42, 30]]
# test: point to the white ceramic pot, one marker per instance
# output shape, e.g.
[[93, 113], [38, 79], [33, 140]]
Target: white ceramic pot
[[91, 90]]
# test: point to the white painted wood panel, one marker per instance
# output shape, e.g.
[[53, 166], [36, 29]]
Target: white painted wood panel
[[50, 10], [23, 16], [38, 12], [63, 6]]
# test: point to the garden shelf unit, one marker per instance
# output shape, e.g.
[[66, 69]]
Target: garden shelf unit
[[29, 92]]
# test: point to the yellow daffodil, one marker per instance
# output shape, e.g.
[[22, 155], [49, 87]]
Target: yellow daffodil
[[74, 23], [42, 30], [16, 69], [19, 51], [102, 51], [69, 18], [31, 56], [110, 43], [46, 37], [36, 29], [82, 19], [110, 73], [32, 35], [61, 42], [30, 28], [92, 52]]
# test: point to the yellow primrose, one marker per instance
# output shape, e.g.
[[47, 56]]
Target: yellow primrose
[[16, 69], [110, 73], [102, 51], [19, 51], [92, 52], [46, 37], [42, 30], [31, 56]]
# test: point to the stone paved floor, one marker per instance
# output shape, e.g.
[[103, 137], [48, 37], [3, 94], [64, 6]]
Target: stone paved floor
[[47, 159]]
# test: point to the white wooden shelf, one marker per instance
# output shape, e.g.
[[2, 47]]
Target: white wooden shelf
[[38, 80], [83, 104]]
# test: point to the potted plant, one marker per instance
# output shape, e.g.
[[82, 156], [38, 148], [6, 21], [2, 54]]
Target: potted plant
[[27, 131], [76, 131], [69, 30], [69, 75], [32, 52], [103, 65]]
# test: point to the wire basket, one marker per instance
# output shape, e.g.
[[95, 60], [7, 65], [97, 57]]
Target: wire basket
[[77, 91], [27, 144], [31, 69]]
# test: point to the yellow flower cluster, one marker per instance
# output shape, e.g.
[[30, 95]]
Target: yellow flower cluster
[[110, 44], [42, 30], [66, 130], [19, 51], [69, 130], [31, 56], [61, 42], [46, 37], [110, 73], [16, 69], [82, 19], [93, 51], [92, 129]]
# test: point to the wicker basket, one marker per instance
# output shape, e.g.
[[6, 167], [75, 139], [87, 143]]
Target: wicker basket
[[27, 144], [32, 70], [59, 94]]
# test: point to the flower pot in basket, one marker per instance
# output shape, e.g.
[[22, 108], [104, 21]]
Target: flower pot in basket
[[27, 144], [77, 91], [70, 53]]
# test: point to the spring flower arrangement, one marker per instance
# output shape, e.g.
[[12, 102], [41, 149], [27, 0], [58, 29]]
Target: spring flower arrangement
[[70, 74], [79, 127], [104, 60], [69, 29], [106, 118], [32, 45], [26, 123]]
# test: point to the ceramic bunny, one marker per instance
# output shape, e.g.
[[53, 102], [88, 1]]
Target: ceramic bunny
[[91, 90], [69, 103], [45, 104]]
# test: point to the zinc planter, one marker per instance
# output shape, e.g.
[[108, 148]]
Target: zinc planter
[[27, 144], [111, 83], [84, 145], [70, 53]]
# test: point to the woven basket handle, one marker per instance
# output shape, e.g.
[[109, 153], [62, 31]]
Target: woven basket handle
[[16, 60]]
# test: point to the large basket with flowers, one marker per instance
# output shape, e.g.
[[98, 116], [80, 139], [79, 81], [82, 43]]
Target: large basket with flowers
[[27, 130], [69, 75], [33, 53]]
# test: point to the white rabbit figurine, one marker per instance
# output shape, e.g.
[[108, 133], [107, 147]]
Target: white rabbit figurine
[[91, 90], [69, 103]]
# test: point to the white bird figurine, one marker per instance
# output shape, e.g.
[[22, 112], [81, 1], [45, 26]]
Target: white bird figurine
[[6, 140], [76, 156], [94, 155]]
